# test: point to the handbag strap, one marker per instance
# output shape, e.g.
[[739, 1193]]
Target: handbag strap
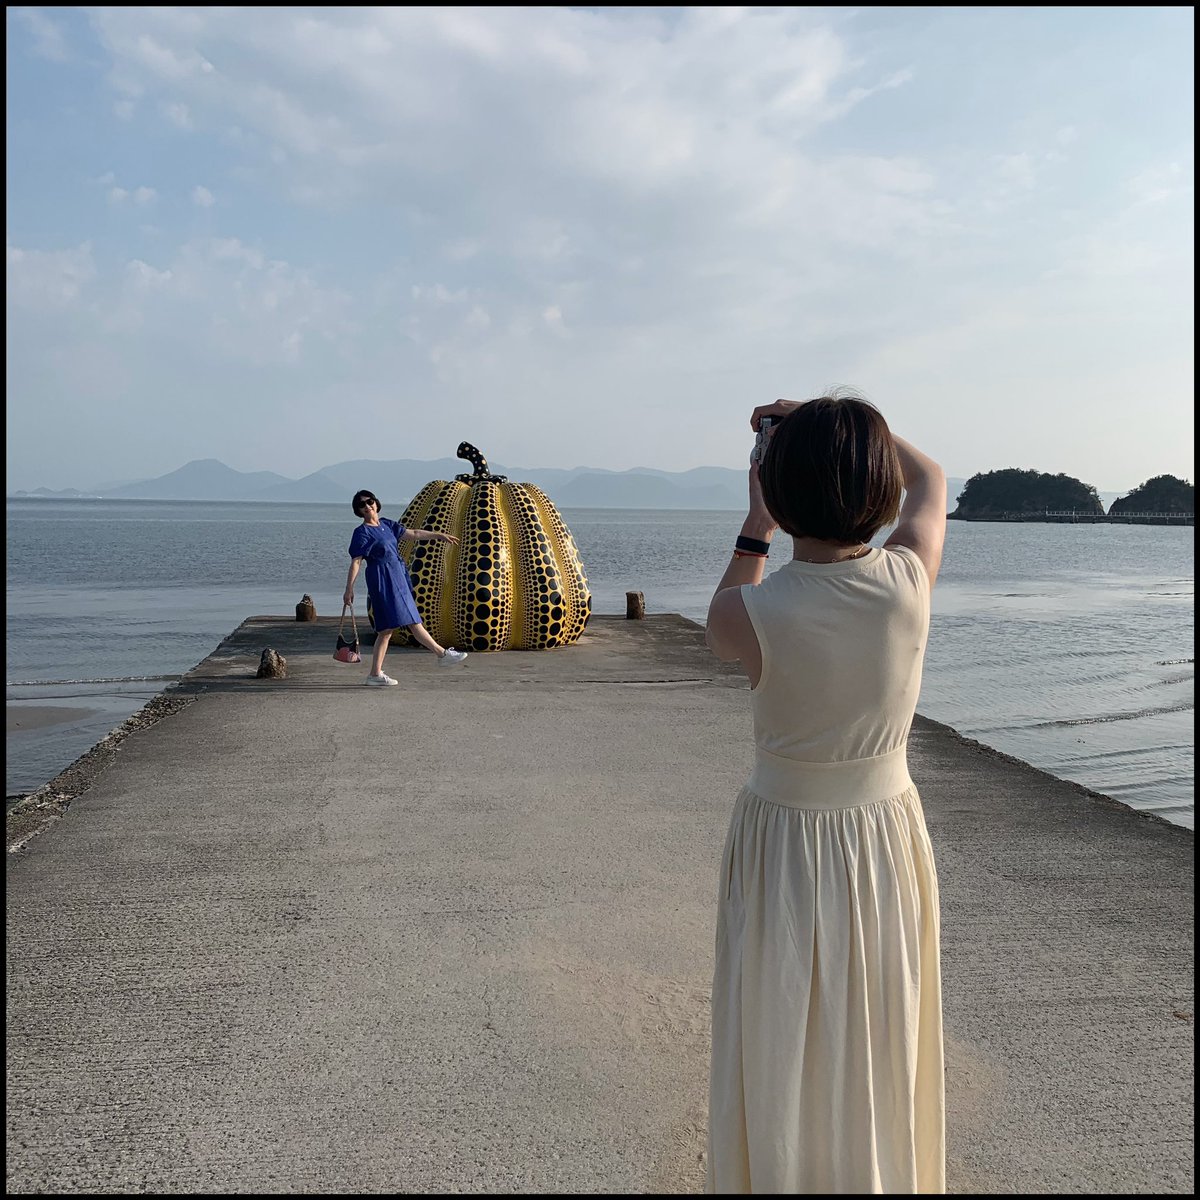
[[353, 623]]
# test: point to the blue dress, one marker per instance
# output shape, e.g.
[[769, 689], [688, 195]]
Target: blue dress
[[389, 584]]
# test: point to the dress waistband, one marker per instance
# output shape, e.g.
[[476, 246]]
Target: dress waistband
[[822, 785]]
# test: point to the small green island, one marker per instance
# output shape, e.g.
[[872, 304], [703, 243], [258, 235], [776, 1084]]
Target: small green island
[[1013, 494]]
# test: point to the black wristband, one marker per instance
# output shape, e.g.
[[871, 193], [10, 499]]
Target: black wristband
[[752, 545]]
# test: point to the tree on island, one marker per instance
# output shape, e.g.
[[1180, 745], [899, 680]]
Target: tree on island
[[1162, 494], [1011, 490]]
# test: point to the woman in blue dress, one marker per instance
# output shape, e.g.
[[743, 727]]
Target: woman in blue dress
[[377, 543]]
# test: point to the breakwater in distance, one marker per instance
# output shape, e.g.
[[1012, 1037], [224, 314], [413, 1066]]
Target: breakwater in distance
[[1082, 518]]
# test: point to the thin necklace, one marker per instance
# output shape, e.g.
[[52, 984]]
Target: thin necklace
[[829, 562]]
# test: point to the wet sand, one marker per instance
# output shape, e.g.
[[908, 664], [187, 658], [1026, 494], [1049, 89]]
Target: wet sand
[[49, 727], [27, 718]]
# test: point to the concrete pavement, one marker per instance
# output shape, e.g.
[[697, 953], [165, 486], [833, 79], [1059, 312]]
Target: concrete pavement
[[456, 936]]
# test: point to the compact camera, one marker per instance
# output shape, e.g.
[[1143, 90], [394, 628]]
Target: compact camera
[[761, 439]]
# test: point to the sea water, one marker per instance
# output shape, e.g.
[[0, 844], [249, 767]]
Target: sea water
[[1069, 646]]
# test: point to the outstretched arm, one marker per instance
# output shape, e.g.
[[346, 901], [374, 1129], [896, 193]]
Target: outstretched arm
[[427, 535], [922, 526]]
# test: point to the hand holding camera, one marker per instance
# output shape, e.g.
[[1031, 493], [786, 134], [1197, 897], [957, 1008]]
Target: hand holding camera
[[761, 439]]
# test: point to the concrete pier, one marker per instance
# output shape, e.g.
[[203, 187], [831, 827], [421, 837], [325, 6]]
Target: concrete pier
[[300, 935]]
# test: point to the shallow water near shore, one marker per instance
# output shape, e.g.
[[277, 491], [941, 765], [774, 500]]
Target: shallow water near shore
[[1069, 646]]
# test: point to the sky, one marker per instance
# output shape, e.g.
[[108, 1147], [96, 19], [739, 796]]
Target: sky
[[289, 237]]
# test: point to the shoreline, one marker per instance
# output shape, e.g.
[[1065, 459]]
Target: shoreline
[[30, 813], [49, 726], [1179, 520], [29, 717]]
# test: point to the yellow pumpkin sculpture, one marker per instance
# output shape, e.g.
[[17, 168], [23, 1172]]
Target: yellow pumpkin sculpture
[[514, 581]]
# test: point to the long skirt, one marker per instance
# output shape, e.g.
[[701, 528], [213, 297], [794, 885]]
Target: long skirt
[[827, 1068]]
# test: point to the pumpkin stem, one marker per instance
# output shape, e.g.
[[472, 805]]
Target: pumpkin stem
[[481, 474]]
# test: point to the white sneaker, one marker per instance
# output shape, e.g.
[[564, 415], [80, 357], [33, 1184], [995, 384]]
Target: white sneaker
[[452, 657], [380, 681]]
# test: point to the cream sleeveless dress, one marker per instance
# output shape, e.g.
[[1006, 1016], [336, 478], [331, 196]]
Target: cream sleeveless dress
[[826, 1002]]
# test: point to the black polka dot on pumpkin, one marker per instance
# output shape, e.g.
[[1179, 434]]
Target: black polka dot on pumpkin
[[516, 560]]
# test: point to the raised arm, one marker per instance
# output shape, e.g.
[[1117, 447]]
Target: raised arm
[[922, 526], [728, 631]]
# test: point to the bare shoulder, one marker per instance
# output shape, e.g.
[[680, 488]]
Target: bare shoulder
[[728, 605], [925, 544], [922, 527], [729, 627]]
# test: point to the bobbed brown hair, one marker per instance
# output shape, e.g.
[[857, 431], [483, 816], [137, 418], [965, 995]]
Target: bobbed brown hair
[[831, 471], [359, 503]]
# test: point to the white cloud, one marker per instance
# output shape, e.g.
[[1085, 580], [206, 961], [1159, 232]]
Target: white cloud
[[1166, 182], [246, 307], [161, 61], [1016, 171], [634, 113], [144, 277], [233, 248], [140, 196], [178, 114], [48, 280], [439, 294], [49, 41], [674, 206], [462, 249]]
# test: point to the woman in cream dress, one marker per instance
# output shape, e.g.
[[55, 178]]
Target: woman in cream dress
[[826, 1004]]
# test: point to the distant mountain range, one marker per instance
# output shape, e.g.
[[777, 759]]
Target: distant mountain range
[[398, 480]]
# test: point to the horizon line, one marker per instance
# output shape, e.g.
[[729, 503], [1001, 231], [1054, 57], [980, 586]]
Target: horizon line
[[84, 492]]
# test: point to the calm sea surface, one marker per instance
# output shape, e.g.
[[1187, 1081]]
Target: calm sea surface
[[1069, 646]]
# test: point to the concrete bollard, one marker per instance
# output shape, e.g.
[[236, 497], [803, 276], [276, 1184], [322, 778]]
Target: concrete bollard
[[306, 610], [635, 606]]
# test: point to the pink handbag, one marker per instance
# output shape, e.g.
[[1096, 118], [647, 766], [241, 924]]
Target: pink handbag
[[347, 652]]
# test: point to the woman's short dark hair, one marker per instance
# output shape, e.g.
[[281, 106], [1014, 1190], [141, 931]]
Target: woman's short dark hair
[[831, 471], [359, 502]]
